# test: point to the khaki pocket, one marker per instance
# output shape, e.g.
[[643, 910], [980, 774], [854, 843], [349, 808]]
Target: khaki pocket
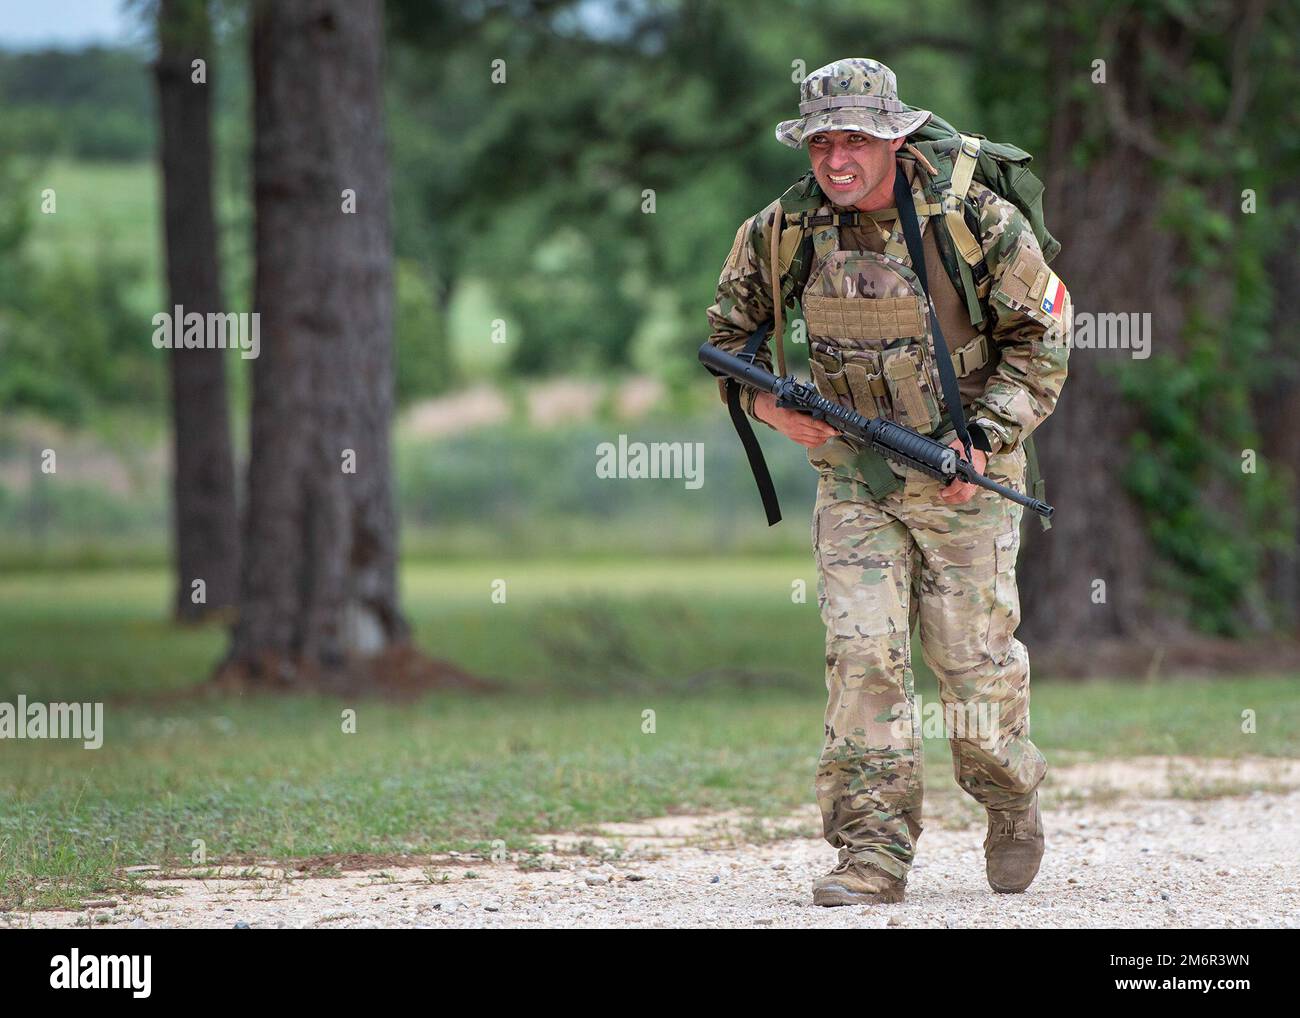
[[1005, 616], [910, 389], [852, 607], [828, 374], [866, 383], [850, 377]]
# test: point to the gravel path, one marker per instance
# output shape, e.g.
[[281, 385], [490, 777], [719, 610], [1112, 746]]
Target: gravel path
[[1162, 842]]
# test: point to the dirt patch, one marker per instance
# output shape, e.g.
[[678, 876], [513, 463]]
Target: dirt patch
[[548, 403], [1184, 777], [1127, 845], [401, 673], [463, 411]]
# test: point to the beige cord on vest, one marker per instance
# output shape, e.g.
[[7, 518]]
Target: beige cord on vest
[[777, 217]]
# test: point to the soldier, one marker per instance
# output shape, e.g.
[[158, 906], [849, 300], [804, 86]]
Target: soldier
[[892, 545]]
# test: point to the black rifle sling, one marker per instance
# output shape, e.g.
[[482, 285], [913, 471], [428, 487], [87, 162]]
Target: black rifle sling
[[766, 489], [903, 201]]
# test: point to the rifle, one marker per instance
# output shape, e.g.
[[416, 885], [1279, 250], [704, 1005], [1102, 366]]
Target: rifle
[[893, 441]]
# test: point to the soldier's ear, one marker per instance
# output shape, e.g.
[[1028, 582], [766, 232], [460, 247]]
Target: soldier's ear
[[896, 143]]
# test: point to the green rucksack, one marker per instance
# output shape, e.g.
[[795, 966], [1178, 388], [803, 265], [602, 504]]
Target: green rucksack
[[1002, 168]]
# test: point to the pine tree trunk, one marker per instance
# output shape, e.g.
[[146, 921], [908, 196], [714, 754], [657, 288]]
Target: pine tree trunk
[[1277, 409], [319, 604], [205, 520], [1088, 578], [1122, 255]]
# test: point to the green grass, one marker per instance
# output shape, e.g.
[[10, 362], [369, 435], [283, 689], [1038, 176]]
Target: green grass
[[730, 665], [274, 778], [114, 203], [599, 626]]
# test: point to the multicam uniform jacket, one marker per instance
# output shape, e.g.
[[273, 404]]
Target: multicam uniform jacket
[[1027, 312]]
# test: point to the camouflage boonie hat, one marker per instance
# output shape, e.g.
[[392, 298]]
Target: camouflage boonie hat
[[855, 94]]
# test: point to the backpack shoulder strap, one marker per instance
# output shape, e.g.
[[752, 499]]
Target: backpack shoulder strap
[[955, 162], [793, 207], [963, 173], [904, 202]]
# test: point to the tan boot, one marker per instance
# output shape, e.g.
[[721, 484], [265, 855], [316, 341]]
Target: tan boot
[[1014, 848], [852, 883]]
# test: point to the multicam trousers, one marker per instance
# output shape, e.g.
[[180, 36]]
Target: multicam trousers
[[881, 566]]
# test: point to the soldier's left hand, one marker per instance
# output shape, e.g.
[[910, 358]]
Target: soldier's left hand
[[959, 491]]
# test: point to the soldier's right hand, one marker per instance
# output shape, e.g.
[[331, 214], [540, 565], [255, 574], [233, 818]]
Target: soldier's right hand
[[793, 425]]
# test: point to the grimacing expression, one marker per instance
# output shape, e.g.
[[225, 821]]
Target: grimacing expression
[[849, 165]]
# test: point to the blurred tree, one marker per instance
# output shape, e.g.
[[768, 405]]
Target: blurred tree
[[1089, 576], [1278, 401], [205, 519], [1273, 183], [318, 598], [590, 162], [1152, 127]]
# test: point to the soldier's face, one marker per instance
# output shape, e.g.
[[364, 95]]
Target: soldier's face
[[850, 165]]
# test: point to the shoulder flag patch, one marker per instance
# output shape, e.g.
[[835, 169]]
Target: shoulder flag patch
[[1053, 296]]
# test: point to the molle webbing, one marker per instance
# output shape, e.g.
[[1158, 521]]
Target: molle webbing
[[855, 318], [849, 318]]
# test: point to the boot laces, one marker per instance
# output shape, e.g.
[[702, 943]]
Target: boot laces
[[1016, 827]]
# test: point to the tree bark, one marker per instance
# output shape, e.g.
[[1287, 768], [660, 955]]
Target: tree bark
[[318, 602], [1277, 409], [1114, 258], [1120, 255], [204, 512]]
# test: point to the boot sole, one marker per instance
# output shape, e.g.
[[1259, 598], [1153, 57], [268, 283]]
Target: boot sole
[[834, 895]]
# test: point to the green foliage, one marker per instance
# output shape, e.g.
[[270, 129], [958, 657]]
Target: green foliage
[[47, 510], [538, 186], [93, 103], [510, 485], [423, 354], [72, 337], [1211, 523], [518, 480], [71, 342], [1207, 515]]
